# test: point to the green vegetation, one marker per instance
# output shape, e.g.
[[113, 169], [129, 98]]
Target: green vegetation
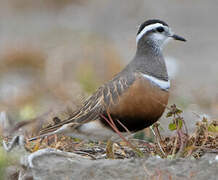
[[3, 162]]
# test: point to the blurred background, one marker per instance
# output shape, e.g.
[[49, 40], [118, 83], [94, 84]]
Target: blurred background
[[55, 53]]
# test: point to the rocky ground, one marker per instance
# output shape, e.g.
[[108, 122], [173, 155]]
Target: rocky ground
[[179, 156], [53, 164]]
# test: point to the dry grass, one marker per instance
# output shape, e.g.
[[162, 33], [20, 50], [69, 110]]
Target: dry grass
[[179, 144]]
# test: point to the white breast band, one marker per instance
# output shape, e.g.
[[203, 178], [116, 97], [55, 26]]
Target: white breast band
[[165, 85]]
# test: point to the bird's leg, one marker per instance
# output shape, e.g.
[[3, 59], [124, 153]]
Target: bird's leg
[[110, 150]]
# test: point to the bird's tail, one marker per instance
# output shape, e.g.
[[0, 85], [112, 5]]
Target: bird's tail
[[68, 125], [57, 129]]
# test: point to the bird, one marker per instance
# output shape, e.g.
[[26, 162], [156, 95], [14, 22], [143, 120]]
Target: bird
[[135, 98]]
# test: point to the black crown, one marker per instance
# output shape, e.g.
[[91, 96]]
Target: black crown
[[149, 22]]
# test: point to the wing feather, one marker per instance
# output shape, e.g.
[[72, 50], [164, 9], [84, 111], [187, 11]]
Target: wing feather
[[97, 104]]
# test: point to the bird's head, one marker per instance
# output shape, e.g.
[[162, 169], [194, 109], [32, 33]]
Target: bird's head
[[155, 33]]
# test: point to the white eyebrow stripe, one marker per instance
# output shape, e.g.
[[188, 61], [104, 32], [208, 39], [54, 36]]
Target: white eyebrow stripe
[[165, 85], [146, 29]]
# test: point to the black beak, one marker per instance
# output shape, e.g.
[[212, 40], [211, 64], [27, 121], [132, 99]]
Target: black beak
[[179, 38]]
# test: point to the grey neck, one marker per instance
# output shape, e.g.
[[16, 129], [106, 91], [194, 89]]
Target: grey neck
[[149, 60]]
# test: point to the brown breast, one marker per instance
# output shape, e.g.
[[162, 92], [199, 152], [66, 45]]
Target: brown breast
[[140, 106]]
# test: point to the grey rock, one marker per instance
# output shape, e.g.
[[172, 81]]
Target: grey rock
[[53, 164]]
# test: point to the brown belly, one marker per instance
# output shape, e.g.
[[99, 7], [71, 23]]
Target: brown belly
[[139, 107]]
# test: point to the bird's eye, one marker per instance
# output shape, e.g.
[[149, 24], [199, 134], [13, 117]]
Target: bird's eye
[[160, 29]]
